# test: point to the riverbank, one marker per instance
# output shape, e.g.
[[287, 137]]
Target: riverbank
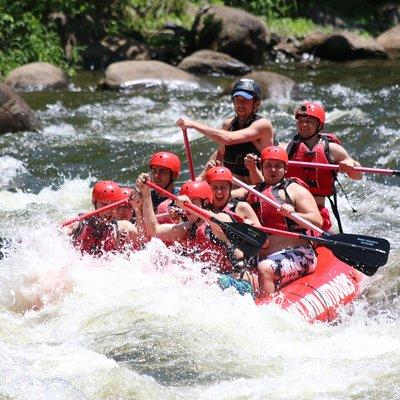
[[73, 37]]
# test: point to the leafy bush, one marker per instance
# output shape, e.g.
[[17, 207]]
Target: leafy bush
[[267, 8]]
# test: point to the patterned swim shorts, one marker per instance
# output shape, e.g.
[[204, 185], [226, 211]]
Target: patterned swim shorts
[[291, 264]]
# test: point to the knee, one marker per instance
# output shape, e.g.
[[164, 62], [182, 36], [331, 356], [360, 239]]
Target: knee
[[266, 270]]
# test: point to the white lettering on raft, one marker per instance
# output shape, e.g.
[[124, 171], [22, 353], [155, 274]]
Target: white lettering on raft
[[328, 295]]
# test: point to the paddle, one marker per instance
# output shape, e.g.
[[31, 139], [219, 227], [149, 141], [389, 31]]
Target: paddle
[[336, 167], [188, 154], [364, 253], [245, 237], [99, 210], [93, 212]]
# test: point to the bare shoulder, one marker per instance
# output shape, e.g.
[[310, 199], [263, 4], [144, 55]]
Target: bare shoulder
[[338, 152], [263, 123], [227, 123]]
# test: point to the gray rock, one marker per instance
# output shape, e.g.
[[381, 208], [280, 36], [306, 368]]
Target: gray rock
[[213, 62], [273, 85], [390, 41], [342, 46], [15, 114], [37, 76], [231, 31], [126, 74]]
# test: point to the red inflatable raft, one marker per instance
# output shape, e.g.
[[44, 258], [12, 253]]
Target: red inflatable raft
[[318, 296]]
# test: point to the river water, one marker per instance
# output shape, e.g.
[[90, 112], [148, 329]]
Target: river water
[[151, 327]]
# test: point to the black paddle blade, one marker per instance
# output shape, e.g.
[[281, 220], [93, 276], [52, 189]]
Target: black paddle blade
[[364, 253], [245, 237]]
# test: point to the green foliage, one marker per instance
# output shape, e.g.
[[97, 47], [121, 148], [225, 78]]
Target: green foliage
[[298, 27], [267, 8], [25, 39], [27, 33]]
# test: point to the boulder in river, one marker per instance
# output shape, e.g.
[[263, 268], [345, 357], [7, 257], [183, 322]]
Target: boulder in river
[[231, 31], [390, 41], [125, 74], [274, 85], [342, 46], [37, 76], [15, 114], [213, 62]]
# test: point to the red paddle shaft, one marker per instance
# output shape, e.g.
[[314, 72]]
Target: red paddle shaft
[[188, 154], [295, 217], [336, 167]]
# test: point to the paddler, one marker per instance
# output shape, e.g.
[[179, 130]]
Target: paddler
[[246, 132], [313, 146], [197, 239], [165, 168], [103, 233], [284, 259]]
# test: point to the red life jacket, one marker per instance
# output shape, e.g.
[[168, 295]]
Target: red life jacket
[[92, 240], [162, 209], [321, 182], [202, 245], [266, 213]]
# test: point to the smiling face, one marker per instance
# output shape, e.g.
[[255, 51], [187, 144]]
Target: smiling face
[[307, 126], [221, 193], [273, 171]]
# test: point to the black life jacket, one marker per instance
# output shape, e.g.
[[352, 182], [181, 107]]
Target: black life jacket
[[235, 154]]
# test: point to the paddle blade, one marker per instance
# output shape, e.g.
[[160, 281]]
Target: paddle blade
[[364, 253], [245, 237]]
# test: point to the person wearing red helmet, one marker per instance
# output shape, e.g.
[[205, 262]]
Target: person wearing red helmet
[[125, 211], [103, 233], [165, 168], [196, 238], [283, 259], [98, 235], [220, 180], [311, 145], [244, 133]]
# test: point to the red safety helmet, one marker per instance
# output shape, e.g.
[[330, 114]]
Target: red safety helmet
[[274, 153], [167, 160], [125, 192], [197, 190], [106, 191], [219, 174], [311, 110]]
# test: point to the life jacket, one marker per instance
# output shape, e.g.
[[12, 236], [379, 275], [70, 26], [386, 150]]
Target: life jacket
[[202, 245], [94, 240], [157, 199], [235, 153], [266, 213], [230, 209], [321, 182]]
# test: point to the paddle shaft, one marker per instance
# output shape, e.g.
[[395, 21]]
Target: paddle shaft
[[320, 240], [192, 207], [293, 216], [93, 212], [336, 167], [102, 209], [188, 154]]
